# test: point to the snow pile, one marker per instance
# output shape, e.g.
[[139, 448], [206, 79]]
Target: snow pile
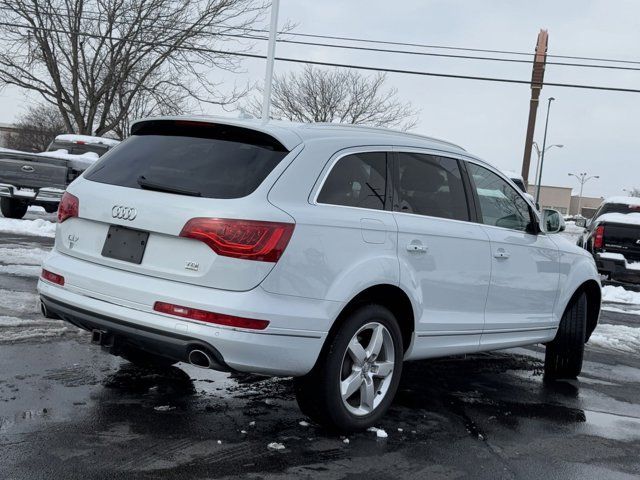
[[616, 337], [632, 201], [614, 294], [624, 218], [79, 162], [68, 137], [18, 302], [380, 433], [275, 446], [39, 227]]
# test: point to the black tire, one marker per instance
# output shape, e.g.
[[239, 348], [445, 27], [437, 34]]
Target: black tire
[[145, 359], [51, 208], [318, 393], [563, 357], [13, 208]]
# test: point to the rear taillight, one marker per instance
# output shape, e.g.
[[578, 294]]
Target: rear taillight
[[598, 237], [210, 317], [247, 239], [52, 277], [68, 208]]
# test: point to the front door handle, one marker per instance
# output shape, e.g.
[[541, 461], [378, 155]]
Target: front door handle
[[416, 247], [501, 253], [28, 168]]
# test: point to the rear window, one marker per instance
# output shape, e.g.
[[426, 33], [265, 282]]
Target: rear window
[[208, 160], [618, 208]]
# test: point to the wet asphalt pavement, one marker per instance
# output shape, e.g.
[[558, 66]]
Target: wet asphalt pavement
[[69, 411]]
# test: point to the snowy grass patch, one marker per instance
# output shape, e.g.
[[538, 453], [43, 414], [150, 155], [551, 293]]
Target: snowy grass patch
[[616, 337], [38, 227]]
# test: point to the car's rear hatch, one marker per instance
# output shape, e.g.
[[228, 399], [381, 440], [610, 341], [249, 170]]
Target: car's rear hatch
[[26, 170], [168, 173]]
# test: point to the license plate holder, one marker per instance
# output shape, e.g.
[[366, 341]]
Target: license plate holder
[[125, 244]]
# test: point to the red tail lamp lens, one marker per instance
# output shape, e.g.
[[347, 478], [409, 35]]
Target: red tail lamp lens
[[68, 208], [210, 317], [598, 237], [247, 239], [52, 277]]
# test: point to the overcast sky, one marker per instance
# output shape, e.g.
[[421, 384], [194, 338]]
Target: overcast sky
[[599, 129]]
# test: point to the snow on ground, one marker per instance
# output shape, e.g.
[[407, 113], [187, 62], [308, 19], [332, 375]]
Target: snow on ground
[[18, 302], [38, 227], [572, 232], [22, 256], [616, 337], [21, 270], [615, 294], [79, 162]]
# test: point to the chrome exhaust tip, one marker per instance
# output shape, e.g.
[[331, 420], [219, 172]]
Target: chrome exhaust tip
[[200, 359]]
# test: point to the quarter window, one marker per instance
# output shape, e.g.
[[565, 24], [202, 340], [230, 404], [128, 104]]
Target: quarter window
[[358, 180], [500, 204], [430, 185]]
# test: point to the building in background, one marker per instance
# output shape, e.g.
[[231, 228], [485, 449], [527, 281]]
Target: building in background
[[6, 129], [558, 198], [588, 206]]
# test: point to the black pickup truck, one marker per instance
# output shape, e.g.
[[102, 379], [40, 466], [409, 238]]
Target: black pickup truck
[[613, 238], [41, 178]]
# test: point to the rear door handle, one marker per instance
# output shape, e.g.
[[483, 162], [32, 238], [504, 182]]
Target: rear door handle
[[501, 253], [417, 247], [28, 168]]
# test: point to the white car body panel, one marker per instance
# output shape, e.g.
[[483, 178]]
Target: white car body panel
[[463, 298]]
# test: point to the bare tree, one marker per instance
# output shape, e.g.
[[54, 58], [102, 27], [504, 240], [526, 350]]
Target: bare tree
[[344, 96], [94, 59], [36, 128], [633, 192]]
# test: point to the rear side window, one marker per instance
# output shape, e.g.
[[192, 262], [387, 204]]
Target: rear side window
[[200, 159], [358, 180], [430, 185]]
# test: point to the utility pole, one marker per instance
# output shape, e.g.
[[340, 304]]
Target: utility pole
[[537, 80], [544, 149], [271, 53], [582, 178]]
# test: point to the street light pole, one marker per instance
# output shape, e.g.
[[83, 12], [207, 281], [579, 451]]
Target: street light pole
[[582, 178], [544, 146], [539, 154]]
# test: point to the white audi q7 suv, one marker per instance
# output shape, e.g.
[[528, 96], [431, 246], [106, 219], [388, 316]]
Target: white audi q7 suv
[[328, 253]]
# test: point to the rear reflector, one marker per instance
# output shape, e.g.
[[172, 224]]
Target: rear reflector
[[598, 237], [52, 277], [210, 317], [68, 208], [246, 239]]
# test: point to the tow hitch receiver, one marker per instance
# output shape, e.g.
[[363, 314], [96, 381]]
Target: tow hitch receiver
[[100, 337]]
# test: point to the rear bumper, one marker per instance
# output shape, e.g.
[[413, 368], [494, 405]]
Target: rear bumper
[[121, 302], [42, 195], [617, 270]]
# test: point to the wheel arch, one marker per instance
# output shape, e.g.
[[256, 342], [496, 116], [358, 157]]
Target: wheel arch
[[386, 295], [593, 291]]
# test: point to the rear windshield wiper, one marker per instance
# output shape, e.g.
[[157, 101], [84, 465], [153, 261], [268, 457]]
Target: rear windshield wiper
[[159, 187]]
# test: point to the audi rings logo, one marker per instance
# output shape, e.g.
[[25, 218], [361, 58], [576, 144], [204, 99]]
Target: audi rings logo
[[124, 213]]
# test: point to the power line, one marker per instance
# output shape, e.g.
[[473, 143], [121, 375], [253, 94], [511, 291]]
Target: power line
[[349, 66], [408, 44], [395, 51]]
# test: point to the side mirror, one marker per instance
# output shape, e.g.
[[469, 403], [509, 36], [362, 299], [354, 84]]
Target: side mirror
[[552, 221], [581, 222]]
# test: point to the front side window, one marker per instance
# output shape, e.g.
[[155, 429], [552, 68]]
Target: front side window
[[500, 204], [358, 180], [430, 185]]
